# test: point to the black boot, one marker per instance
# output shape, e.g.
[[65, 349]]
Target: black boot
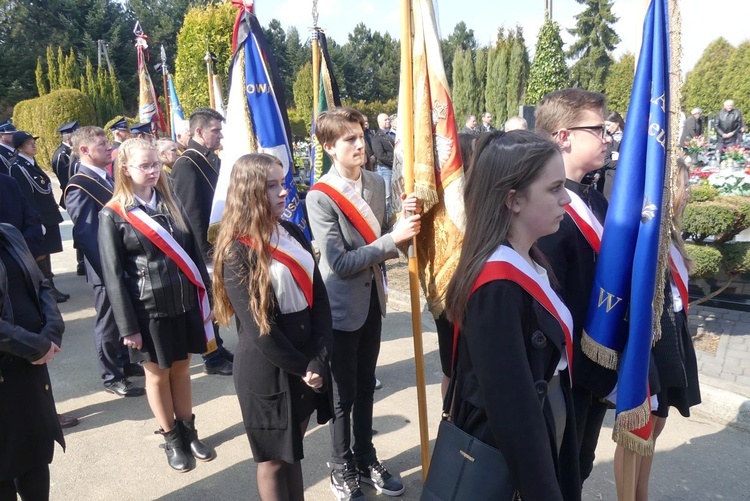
[[60, 297], [191, 443], [178, 456]]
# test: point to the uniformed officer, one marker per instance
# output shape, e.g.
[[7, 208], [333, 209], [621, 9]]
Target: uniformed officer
[[142, 130], [7, 151], [37, 188]]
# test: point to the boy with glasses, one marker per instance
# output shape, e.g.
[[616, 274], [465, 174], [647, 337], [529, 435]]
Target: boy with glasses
[[574, 118]]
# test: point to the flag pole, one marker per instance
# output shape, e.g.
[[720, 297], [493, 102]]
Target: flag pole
[[210, 73], [167, 107], [315, 61], [406, 124]]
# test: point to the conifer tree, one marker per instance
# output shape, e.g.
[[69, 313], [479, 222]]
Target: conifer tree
[[303, 93], [52, 69], [518, 72], [702, 83], [480, 69], [619, 84], [41, 80], [548, 72], [596, 39], [734, 83], [465, 96], [495, 93]]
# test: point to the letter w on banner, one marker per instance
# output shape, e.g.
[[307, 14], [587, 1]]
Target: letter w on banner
[[619, 329], [256, 120], [438, 169]]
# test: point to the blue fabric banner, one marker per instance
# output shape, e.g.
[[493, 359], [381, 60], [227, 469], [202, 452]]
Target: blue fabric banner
[[174, 107], [618, 331]]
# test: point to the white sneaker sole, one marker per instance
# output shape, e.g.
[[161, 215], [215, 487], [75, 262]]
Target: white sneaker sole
[[340, 495]]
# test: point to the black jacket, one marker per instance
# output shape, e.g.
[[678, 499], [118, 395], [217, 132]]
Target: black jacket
[[6, 159], [61, 168], [382, 147], [728, 122], [573, 263], [15, 210], [38, 191], [693, 127], [141, 281], [30, 426], [194, 177], [496, 398]]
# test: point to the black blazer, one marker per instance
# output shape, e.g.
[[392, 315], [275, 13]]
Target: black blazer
[[573, 263], [496, 398], [61, 168], [44, 203], [382, 147], [194, 177], [16, 210]]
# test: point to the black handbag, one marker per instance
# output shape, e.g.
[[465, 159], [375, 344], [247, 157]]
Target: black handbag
[[462, 467]]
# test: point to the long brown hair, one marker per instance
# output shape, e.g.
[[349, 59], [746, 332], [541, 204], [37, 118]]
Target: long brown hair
[[502, 162], [124, 184], [247, 213], [680, 192]]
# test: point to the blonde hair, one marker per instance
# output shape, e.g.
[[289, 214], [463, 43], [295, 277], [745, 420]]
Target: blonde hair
[[679, 193], [247, 214], [124, 194]]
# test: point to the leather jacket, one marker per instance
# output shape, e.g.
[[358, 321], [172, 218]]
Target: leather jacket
[[142, 281], [728, 122]]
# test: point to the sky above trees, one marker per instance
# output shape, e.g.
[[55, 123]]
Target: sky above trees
[[702, 22]]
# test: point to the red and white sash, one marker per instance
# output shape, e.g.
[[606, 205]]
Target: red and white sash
[[506, 264], [161, 238], [351, 203], [679, 275], [300, 263], [585, 220]]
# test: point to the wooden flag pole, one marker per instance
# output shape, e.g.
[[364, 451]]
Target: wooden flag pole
[[209, 72], [406, 124], [315, 61], [167, 107]]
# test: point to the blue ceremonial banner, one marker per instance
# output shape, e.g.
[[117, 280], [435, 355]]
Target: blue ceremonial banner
[[174, 107], [256, 119], [619, 328]]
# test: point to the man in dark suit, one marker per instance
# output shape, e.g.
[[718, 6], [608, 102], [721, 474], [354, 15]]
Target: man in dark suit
[[87, 192], [194, 177], [15, 210], [487, 122], [7, 151], [728, 126]]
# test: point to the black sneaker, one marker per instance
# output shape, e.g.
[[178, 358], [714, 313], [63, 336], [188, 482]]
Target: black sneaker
[[377, 476], [345, 483]]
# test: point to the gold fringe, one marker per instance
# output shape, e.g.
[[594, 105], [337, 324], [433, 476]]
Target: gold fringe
[[213, 232], [633, 442], [606, 357], [634, 418], [211, 347], [428, 197]]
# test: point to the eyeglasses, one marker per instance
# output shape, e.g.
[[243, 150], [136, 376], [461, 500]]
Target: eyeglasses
[[602, 129], [154, 167]]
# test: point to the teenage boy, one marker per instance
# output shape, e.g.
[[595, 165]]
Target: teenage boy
[[574, 118], [347, 213]]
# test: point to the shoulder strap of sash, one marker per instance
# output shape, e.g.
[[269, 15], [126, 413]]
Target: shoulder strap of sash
[[679, 275], [161, 238], [353, 215], [299, 273], [91, 186], [200, 169], [585, 220]]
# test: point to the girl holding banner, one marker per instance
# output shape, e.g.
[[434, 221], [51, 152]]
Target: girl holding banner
[[156, 282], [513, 342], [266, 275]]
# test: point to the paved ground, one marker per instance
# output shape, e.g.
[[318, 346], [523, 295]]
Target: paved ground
[[113, 453]]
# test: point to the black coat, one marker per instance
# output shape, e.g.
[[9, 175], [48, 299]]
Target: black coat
[[194, 177], [141, 281], [38, 192], [268, 369], [496, 398], [61, 168], [28, 417], [693, 127], [15, 210], [573, 263], [6, 159], [382, 147]]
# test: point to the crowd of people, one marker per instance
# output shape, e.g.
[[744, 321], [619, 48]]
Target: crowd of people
[[309, 329]]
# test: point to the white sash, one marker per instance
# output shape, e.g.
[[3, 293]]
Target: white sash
[[349, 193], [585, 220], [289, 294], [680, 278]]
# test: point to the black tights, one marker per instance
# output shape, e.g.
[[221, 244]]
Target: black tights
[[32, 485], [279, 480]]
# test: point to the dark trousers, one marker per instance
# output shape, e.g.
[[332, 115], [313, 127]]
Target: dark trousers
[[590, 413], [216, 357], [110, 351], [353, 360], [32, 485]]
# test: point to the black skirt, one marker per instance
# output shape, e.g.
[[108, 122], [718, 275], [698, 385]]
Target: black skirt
[[170, 339]]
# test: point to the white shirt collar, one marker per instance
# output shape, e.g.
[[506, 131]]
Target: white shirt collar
[[27, 158], [151, 204], [98, 170]]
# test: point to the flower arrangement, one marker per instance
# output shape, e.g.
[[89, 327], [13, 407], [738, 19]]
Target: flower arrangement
[[735, 153], [731, 184], [696, 144]]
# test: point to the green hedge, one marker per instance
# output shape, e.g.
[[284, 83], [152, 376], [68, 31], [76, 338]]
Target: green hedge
[[736, 257], [42, 117], [703, 193], [720, 219], [707, 260]]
